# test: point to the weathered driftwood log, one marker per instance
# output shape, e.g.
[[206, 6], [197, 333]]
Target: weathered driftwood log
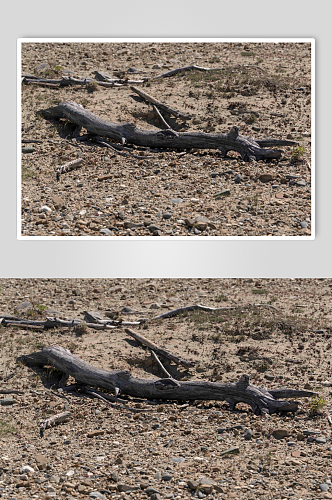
[[248, 148], [49, 323], [260, 399], [160, 350]]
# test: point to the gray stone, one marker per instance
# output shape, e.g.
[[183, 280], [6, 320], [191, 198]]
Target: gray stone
[[238, 179], [155, 496], [303, 224], [248, 434], [323, 487], [7, 401], [167, 477], [178, 460], [301, 183], [200, 495], [97, 494], [157, 232], [269, 376], [23, 305], [167, 215], [28, 150], [122, 487], [291, 443], [149, 491], [321, 440], [176, 200], [106, 232], [206, 480], [153, 228], [308, 433]]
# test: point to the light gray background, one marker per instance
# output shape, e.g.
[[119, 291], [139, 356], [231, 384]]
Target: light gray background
[[166, 18]]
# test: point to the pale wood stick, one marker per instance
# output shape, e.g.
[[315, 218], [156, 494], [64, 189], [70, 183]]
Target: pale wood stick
[[186, 68], [161, 117], [72, 165], [55, 420], [160, 364], [194, 307], [165, 107], [164, 352]]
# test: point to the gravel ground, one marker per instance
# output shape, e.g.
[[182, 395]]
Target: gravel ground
[[264, 89], [169, 449]]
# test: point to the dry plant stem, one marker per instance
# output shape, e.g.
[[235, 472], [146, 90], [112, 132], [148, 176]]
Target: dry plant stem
[[164, 352], [186, 68], [195, 307], [329, 418], [267, 305], [117, 406], [160, 364], [160, 116], [10, 391], [163, 106], [249, 148], [55, 420], [254, 66], [122, 153], [260, 399], [27, 141]]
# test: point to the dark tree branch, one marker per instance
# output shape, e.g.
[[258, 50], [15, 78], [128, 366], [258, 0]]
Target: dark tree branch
[[248, 148], [260, 399]]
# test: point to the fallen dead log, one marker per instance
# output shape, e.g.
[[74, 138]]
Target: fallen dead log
[[260, 399], [57, 322], [248, 148], [161, 105], [160, 350]]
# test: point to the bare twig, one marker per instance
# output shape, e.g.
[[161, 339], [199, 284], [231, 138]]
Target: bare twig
[[27, 141], [164, 352], [164, 107], [329, 419], [186, 68], [267, 305], [176, 312], [161, 117], [254, 66], [117, 406], [10, 391], [122, 153], [160, 364]]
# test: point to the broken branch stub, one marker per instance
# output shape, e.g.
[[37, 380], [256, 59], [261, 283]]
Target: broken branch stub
[[260, 399], [248, 148]]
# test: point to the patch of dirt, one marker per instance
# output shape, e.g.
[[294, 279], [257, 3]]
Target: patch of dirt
[[106, 451], [264, 89]]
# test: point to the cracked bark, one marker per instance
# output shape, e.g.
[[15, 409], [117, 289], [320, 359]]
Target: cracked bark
[[260, 399], [249, 148]]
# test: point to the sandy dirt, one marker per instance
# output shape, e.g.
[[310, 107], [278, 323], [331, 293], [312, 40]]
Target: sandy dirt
[[279, 333], [264, 89]]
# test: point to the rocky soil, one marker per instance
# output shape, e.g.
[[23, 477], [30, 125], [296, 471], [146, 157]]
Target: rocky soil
[[264, 89], [168, 449]]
